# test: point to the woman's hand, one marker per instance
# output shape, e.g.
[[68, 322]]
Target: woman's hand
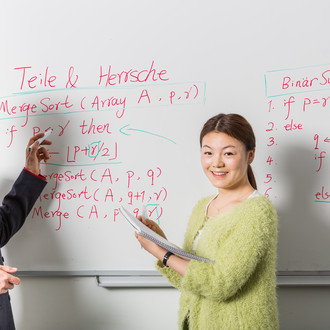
[[148, 245], [174, 262], [153, 226], [34, 155]]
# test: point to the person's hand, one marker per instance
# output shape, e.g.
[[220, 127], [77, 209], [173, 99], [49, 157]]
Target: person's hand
[[153, 226], [148, 245], [7, 281], [36, 154]]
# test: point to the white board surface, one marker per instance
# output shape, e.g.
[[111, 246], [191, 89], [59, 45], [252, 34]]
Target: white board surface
[[127, 86]]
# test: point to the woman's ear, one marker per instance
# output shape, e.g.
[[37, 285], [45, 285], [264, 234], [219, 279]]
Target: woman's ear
[[251, 155]]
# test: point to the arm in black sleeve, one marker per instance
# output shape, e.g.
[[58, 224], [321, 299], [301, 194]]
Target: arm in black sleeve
[[18, 203]]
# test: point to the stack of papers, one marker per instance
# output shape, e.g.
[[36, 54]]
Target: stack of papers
[[146, 232]]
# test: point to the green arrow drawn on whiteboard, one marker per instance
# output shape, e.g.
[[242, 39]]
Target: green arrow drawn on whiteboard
[[125, 128]]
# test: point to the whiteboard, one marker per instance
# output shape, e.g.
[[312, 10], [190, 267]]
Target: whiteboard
[[127, 86]]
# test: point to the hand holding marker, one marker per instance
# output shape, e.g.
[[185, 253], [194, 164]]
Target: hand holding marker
[[42, 139]]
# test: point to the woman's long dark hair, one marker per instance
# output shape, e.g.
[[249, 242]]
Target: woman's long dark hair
[[237, 127]]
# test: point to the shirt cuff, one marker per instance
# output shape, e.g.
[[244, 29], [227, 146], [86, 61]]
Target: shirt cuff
[[37, 176]]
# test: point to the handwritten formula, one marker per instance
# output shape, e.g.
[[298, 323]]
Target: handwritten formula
[[298, 109], [93, 167]]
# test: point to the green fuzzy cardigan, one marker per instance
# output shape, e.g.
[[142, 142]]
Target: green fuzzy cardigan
[[238, 290]]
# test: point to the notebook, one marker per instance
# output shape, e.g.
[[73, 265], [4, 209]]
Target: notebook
[[146, 232]]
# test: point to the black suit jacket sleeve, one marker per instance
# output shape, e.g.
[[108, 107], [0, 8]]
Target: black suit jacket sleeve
[[15, 208], [18, 203]]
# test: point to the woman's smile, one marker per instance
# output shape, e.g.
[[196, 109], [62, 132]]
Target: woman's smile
[[219, 174]]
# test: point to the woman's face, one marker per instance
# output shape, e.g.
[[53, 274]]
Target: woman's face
[[225, 160]]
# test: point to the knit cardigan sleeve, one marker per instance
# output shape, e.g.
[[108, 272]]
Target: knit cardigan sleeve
[[237, 248], [172, 276]]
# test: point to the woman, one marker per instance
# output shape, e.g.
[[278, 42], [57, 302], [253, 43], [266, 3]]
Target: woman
[[237, 228]]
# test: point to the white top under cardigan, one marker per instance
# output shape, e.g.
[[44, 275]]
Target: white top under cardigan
[[199, 234]]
